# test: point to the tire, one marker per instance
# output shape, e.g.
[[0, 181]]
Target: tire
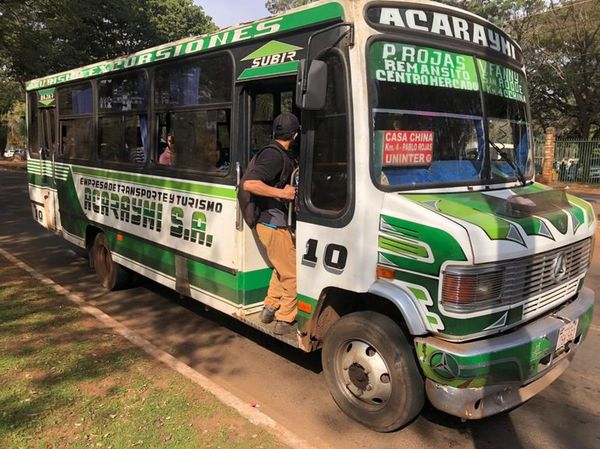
[[112, 275], [371, 372]]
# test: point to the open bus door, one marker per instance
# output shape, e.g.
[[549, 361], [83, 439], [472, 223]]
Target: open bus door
[[49, 136], [263, 100], [43, 169]]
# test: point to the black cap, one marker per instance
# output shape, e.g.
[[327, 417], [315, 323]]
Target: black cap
[[285, 126]]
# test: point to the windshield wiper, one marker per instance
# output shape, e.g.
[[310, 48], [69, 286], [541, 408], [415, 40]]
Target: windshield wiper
[[504, 155]]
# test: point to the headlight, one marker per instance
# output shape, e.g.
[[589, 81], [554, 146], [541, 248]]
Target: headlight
[[466, 288]]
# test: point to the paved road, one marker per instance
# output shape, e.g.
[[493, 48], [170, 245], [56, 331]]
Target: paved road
[[287, 384]]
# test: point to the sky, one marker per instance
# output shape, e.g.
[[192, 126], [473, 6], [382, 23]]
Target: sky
[[231, 12]]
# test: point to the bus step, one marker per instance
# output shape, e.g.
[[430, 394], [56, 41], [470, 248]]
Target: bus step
[[253, 320]]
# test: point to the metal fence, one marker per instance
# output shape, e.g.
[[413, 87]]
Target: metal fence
[[575, 160]]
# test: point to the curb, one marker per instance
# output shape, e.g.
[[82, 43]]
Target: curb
[[253, 415]]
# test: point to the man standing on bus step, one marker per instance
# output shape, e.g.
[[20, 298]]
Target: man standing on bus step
[[273, 164]]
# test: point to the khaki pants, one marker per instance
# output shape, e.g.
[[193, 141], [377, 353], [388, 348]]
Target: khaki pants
[[281, 252]]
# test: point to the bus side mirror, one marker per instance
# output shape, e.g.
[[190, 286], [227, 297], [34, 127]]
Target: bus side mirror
[[311, 85]]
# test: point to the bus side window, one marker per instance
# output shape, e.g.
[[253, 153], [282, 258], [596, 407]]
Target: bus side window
[[329, 171], [197, 143], [193, 106], [263, 113], [265, 107], [33, 125], [123, 120], [75, 121]]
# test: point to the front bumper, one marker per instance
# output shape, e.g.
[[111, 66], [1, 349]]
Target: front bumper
[[478, 379]]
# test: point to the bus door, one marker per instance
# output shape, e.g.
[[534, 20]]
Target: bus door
[[325, 193], [263, 101], [42, 166], [48, 153]]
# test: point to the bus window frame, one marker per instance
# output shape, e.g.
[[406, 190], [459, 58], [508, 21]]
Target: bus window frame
[[123, 165], [152, 165], [251, 89], [32, 105], [447, 45], [90, 155], [308, 212]]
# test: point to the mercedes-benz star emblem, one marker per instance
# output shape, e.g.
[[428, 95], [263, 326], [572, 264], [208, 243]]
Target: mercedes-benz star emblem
[[445, 365], [559, 269]]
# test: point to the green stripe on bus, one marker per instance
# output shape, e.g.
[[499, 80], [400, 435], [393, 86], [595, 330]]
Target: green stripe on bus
[[40, 180], [234, 288], [163, 183], [72, 217], [263, 28], [403, 247], [587, 208], [249, 280], [251, 286], [149, 255]]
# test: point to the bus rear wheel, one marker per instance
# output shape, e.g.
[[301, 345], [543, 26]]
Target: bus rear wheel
[[371, 371], [112, 275]]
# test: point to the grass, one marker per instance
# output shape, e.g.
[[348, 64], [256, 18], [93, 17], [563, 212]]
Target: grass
[[66, 381]]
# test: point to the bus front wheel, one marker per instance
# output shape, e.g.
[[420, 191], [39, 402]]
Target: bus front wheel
[[371, 371], [112, 275]]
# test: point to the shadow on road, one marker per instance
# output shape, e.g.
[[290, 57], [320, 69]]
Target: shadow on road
[[217, 319]]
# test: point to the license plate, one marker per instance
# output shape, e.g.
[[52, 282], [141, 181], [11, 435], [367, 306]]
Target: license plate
[[567, 333]]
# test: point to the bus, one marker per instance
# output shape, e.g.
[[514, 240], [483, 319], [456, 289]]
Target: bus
[[430, 263]]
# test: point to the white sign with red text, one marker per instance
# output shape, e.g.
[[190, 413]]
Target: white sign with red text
[[406, 148]]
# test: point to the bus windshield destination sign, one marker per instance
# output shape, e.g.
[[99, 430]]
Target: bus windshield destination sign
[[409, 64], [502, 81]]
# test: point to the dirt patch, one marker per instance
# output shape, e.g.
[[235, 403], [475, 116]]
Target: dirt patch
[[98, 389], [35, 375]]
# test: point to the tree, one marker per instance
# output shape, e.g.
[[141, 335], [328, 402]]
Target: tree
[[561, 44], [499, 12], [275, 6], [14, 121], [38, 37], [563, 63], [10, 91]]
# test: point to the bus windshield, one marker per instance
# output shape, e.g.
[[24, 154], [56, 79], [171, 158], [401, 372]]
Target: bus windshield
[[430, 108]]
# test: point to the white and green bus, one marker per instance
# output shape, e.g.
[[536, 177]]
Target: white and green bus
[[429, 261]]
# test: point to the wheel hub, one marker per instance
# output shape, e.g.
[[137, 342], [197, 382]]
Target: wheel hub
[[358, 376], [364, 373]]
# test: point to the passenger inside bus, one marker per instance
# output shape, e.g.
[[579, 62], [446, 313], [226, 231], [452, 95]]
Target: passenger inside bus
[[68, 145], [199, 140], [167, 157], [221, 156], [134, 147]]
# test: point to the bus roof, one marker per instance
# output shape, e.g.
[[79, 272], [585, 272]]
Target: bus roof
[[298, 18], [311, 14]]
